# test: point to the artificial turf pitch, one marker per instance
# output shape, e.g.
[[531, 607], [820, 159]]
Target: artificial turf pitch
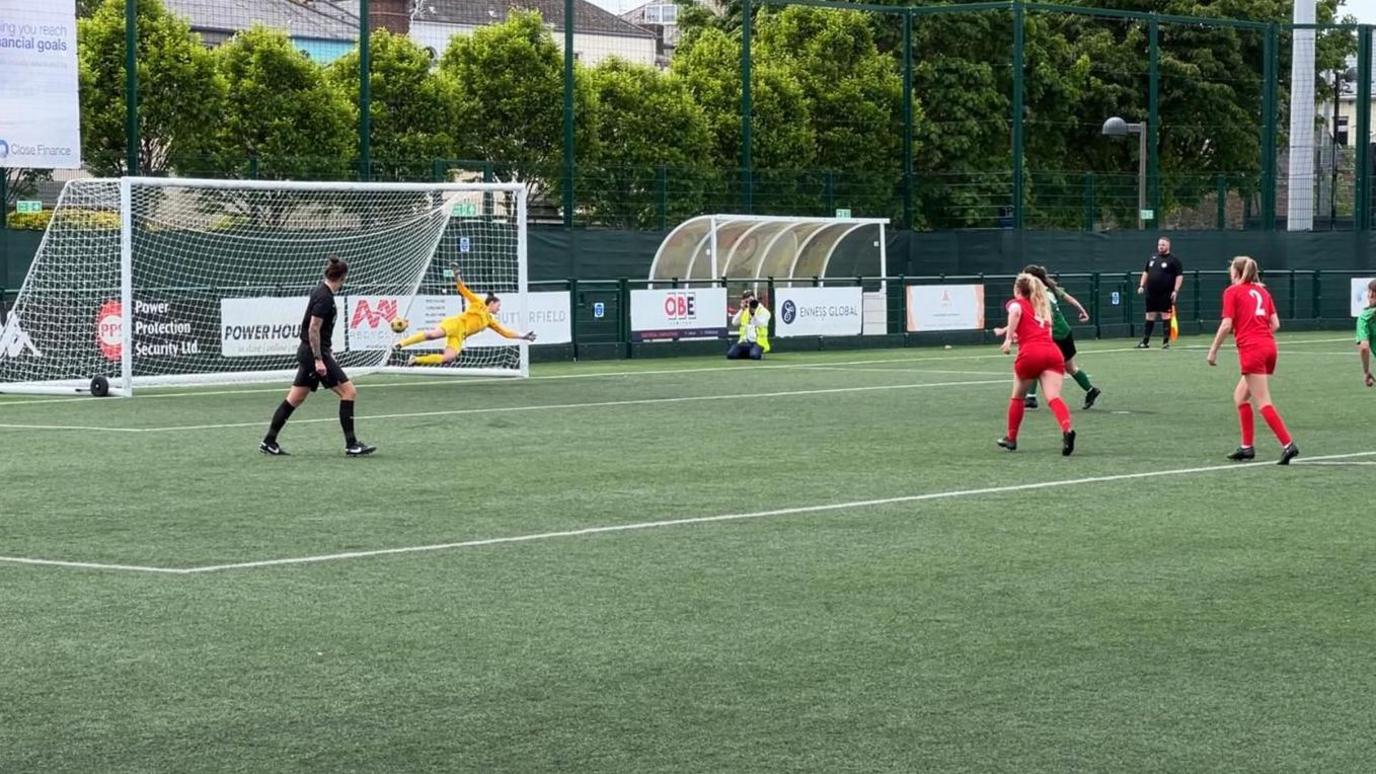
[[1161, 610]]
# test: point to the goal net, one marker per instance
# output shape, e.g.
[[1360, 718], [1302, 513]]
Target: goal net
[[150, 281]]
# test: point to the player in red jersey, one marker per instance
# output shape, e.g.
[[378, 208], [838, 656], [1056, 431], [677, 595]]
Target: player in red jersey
[[1039, 359], [1250, 314]]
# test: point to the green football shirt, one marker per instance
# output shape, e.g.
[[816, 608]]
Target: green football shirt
[[1366, 324], [1060, 327]]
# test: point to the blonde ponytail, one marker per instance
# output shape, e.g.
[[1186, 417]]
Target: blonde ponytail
[[1246, 269], [1034, 290]]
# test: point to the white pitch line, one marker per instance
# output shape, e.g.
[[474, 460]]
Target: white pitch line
[[89, 429], [853, 370], [742, 516], [597, 404], [444, 381], [91, 565], [805, 509], [528, 407], [1334, 463]]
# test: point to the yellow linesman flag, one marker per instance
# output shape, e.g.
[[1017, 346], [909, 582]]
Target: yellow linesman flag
[[1175, 325]]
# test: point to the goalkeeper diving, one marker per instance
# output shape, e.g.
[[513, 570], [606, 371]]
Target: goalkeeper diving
[[478, 315]]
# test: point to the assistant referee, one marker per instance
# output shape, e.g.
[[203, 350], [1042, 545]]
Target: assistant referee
[[1160, 283]]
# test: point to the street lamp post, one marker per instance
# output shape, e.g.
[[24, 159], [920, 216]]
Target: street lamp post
[[1339, 78], [1117, 127]]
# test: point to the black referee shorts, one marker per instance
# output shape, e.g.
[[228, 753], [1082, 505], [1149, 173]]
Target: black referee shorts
[[1067, 346], [1160, 304], [305, 370]]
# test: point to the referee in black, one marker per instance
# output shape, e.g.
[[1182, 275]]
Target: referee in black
[[1160, 283], [317, 366]]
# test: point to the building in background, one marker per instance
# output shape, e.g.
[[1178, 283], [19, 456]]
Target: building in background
[[326, 29], [323, 30], [660, 18], [597, 34]]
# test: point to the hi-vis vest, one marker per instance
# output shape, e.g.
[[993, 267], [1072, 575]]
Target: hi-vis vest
[[761, 333]]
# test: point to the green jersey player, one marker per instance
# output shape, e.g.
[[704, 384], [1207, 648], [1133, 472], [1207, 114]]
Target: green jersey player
[[1063, 336], [1366, 327]]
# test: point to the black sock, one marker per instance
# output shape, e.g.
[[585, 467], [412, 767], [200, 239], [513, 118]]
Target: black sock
[[1151, 326], [346, 421], [279, 419], [1166, 331]]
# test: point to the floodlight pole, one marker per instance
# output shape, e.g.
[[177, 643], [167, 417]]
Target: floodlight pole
[[1141, 130], [1117, 127], [131, 87]]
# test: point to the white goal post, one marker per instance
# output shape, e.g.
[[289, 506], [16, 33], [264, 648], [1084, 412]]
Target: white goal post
[[169, 281]]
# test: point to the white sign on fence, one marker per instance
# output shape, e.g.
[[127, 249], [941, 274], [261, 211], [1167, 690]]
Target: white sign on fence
[[40, 118], [268, 325], [818, 312], [665, 315], [1358, 297], [547, 314], [945, 307]]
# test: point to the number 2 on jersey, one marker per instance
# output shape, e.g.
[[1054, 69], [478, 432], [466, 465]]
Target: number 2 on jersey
[[1261, 307]]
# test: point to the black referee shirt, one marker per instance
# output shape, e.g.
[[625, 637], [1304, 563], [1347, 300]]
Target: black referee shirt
[[1162, 271], [321, 305]]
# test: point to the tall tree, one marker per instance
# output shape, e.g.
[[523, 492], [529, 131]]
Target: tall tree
[[855, 95], [783, 141], [509, 80], [281, 111], [414, 111], [181, 94], [652, 122]]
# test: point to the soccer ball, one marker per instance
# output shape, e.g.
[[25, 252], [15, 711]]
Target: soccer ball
[[399, 325]]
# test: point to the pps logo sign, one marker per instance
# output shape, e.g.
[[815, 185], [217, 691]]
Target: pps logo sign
[[110, 330], [680, 307], [789, 312]]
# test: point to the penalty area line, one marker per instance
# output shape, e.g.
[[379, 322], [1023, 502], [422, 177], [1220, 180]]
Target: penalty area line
[[646, 525]]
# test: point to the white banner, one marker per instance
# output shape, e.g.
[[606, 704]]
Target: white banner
[[546, 313], [268, 325], [1358, 297], [370, 320], [40, 118], [678, 314], [818, 312], [945, 307]]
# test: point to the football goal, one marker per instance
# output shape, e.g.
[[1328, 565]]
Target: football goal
[[164, 281]]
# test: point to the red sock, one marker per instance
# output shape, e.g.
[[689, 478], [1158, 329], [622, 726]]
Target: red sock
[[1016, 408], [1062, 413], [1268, 413], [1249, 424]]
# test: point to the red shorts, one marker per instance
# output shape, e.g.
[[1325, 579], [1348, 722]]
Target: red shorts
[[1034, 361], [1258, 360]]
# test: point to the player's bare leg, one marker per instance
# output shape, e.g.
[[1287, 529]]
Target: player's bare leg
[[1258, 387], [295, 397], [1051, 388], [1242, 400], [347, 395], [1016, 408], [1151, 318]]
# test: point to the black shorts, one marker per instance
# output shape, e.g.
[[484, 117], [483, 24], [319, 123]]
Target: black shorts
[[305, 370], [1160, 304], [1067, 346]]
